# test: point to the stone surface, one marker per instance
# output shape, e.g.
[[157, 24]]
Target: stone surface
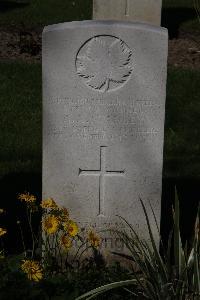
[[148, 11], [104, 87]]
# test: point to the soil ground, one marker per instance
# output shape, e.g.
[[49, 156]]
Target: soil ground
[[25, 44]]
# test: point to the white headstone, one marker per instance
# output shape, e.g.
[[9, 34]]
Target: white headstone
[[104, 87], [148, 11]]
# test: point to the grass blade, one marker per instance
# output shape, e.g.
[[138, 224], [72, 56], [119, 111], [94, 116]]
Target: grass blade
[[197, 256], [157, 255], [106, 288], [180, 263]]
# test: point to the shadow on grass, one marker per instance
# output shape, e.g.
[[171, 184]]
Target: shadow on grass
[[6, 6], [172, 18], [189, 196], [10, 186]]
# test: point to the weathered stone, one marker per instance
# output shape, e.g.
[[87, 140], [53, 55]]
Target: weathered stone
[[148, 11], [104, 87]]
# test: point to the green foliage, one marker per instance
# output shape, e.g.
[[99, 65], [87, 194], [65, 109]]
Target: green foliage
[[182, 145], [159, 277], [21, 117], [14, 284], [45, 12], [178, 3]]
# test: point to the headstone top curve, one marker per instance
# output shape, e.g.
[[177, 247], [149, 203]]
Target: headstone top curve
[[91, 23]]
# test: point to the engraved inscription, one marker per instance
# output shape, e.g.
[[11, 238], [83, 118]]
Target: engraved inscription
[[106, 119], [104, 63], [101, 173]]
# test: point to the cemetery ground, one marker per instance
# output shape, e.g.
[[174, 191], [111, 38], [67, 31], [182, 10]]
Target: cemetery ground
[[21, 25]]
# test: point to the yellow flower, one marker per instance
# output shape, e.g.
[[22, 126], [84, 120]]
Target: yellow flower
[[49, 203], [27, 197], [94, 239], [32, 269], [50, 224], [65, 242], [71, 227], [1, 211], [2, 231]]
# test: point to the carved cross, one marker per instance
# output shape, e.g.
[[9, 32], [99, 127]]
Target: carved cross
[[101, 173]]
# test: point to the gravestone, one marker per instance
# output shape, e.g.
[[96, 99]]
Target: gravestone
[[104, 85], [148, 11]]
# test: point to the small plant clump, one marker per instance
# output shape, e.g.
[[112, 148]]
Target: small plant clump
[[62, 258], [60, 235], [172, 276]]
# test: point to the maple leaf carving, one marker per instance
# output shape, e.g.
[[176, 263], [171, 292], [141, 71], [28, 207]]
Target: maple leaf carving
[[104, 63]]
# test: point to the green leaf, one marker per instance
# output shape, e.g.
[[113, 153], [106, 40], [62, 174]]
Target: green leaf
[[106, 288], [168, 256], [197, 256], [179, 256], [158, 258]]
